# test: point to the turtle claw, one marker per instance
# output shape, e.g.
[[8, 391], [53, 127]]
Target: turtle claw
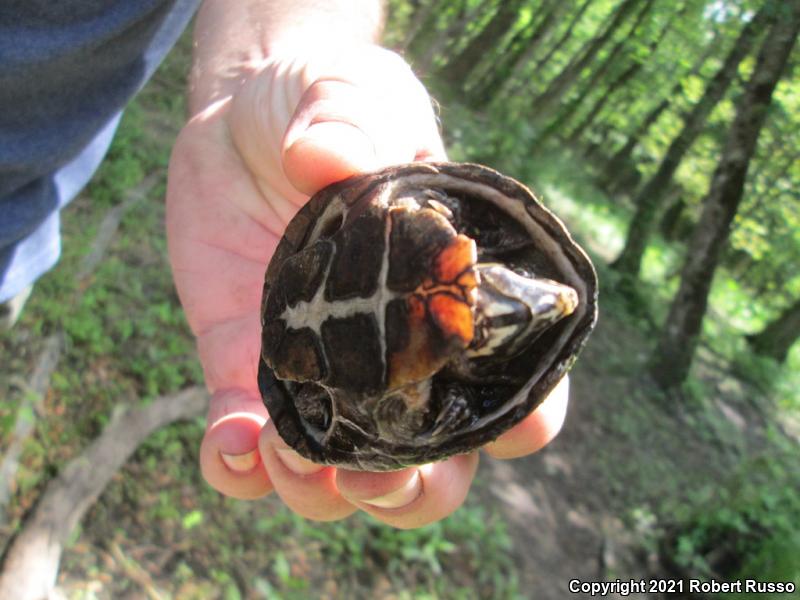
[[455, 411], [402, 313]]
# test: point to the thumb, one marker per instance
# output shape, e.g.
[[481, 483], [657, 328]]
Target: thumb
[[331, 136], [360, 117]]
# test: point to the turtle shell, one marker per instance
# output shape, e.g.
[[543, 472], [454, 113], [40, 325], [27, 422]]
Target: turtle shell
[[370, 315]]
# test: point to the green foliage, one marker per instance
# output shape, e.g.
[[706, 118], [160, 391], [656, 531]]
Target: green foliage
[[131, 156], [745, 526], [470, 546], [127, 341]]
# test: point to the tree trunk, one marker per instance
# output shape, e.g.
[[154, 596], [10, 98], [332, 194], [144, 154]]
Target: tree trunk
[[419, 16], [673, 216], [566, 113], [623, 78], [449, 37], [516, 84], [595, 109], [618, 164], [564, 37], [556, 89], [517, 57], [676, 346], [648, 199], [422, 27], [777, 337], [457, 70]]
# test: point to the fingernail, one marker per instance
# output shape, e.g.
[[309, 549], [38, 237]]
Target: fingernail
[[241, 463], [400, 497], [296, 463]]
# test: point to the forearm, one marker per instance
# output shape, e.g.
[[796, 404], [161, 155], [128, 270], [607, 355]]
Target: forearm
[[232, 37]]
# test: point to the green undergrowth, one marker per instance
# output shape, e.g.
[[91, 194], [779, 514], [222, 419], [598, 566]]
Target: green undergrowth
[[745, 526], [198, 544], [126, 341], [750, 510]]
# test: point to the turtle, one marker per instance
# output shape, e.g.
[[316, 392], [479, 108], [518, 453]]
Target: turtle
[[418, 312]]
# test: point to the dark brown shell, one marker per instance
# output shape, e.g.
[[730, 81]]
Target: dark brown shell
[[549, 251]]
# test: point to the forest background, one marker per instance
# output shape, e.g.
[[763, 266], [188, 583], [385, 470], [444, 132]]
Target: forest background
[[665, 134]]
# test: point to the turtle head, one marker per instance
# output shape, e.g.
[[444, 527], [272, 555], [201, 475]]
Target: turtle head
[[511, 310]]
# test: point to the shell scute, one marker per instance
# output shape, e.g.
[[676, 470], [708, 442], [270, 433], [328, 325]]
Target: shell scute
[[303, 274], [298, 356], [353, 349], [384, 345], [416, 238], [357, 261]]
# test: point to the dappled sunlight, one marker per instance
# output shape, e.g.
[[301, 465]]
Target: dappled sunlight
[[678, 455]]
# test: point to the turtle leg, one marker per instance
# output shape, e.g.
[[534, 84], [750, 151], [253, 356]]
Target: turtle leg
[[496, 247], [473, 372], [456, 409]]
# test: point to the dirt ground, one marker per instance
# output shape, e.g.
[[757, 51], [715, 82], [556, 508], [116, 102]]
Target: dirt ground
[[581, 507]]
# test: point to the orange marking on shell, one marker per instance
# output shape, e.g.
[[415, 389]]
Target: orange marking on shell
[[417, 360], [448, 311], [455, 259], [416, 309], [468, 280], [453, 316]]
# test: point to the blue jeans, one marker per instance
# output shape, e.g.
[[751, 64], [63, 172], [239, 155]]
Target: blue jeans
[[67, 70]]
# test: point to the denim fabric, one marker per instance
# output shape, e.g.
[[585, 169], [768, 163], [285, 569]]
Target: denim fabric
[[67, 70]]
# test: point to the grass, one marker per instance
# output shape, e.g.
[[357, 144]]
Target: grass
[[127, 341], [755, 515]]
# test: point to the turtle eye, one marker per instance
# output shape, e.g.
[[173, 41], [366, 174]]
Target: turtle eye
[[513, 310], [500, 318]]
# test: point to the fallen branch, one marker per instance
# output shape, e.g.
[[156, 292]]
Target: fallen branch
[[110, 223], [32, 398], [30, 567], [135, 573], [35, 390]]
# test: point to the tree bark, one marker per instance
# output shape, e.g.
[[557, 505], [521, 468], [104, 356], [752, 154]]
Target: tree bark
[[777, 338], [618, 163], [517, 81], [424, 59], [595, 109], [678, 341], [617, 83], [567, 112], [422, 29], [519, 54], [556, 89], [564, 36], [648, 199], [457, 70], [421, 15], [673, 217]]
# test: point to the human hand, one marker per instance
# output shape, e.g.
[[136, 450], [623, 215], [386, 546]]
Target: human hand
[[240, 170]]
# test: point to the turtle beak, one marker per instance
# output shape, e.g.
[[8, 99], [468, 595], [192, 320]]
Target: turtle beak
[[566, 301], [548, 301]]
